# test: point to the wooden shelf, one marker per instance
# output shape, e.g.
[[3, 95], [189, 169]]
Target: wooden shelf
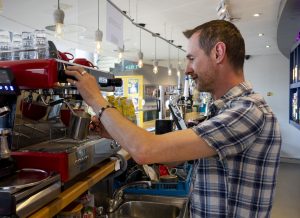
[[73, 192]]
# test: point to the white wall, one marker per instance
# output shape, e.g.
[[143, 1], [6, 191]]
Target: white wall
[[271, 74]]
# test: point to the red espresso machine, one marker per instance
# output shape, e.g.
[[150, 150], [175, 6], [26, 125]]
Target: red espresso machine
[[59, 159]]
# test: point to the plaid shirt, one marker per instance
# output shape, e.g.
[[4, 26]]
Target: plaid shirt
[[240, 180]]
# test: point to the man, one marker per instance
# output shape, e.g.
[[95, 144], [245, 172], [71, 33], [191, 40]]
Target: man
[[237, 148]]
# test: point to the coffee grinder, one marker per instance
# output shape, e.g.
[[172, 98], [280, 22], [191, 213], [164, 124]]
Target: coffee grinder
[[8, 99]]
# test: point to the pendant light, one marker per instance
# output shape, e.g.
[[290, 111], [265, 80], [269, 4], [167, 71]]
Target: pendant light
[[155, 62], [59, 16], [170, 65], [98, 36], [140, 53], [121, 53], [178, 63]]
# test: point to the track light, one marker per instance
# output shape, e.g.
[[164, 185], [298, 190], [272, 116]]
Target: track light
[[59, 16]]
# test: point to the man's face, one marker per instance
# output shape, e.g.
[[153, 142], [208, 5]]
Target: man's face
[[199, 66]]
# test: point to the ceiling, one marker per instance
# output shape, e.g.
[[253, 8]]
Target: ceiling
[[167, 17]]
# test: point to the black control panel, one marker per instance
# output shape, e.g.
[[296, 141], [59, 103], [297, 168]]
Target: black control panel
[[7, 83]]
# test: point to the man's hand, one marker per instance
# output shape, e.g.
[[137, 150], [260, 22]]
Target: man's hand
[[97, 127]]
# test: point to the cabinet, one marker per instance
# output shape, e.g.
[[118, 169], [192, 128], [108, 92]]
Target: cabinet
[[294, 89]]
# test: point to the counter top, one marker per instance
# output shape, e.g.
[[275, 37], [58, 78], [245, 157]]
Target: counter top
[[73, 192]]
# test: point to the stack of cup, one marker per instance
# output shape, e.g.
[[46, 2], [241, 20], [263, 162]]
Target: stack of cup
[[16, 46], [41, 44], [28, 51], [5, 45]]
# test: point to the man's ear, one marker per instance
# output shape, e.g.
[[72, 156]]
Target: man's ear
[[220, 51]]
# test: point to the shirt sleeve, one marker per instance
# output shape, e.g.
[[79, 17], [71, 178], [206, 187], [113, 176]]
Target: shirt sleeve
[[234, 129]]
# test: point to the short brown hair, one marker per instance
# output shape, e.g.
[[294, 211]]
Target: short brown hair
[[221, 30]]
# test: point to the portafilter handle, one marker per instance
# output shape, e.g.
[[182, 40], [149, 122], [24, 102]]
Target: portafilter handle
[[4, 150], [4, 110]]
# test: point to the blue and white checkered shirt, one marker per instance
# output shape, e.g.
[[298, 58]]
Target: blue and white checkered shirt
[[240, 180]]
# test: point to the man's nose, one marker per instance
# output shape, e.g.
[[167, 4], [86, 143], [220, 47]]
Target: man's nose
[[188, 70]]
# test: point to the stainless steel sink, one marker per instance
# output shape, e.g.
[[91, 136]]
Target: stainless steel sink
[[146, 206], [145, 209]]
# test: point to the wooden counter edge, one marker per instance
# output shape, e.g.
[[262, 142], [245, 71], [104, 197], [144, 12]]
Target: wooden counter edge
[[73, 192]]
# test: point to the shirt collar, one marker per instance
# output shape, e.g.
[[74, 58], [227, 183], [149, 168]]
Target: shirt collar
[[236, 91]]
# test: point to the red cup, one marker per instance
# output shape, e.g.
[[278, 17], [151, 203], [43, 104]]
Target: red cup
[[66, 56], [33, 110], [84, 62]]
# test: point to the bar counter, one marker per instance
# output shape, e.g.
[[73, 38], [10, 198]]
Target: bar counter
[[77, 189]]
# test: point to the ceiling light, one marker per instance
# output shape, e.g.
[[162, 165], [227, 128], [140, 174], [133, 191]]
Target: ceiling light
[[222, 11], [155, 62], [268, 46], [1, 6], [170, 65], [140, 53], [256, 15], [260, 34], [59, 16], [140, 61], [170, 70], [120, 53], [98, 36], [155, 66]]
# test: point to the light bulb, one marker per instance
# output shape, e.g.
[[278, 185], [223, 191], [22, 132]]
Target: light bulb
[[98, 47], [140, 63], [59, 30], [170, 70], [155, 66], [155, 69], [59, 16], [98, 40], [178, 72], [120, 56]]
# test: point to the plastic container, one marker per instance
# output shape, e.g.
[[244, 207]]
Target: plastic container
[[73, 210], [180, 188]]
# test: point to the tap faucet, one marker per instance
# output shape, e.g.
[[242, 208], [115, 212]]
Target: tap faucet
[[115, 202]]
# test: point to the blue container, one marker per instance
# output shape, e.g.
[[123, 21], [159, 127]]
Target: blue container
[[180, 188]]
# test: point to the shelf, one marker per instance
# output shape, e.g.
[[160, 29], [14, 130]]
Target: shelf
[[294, 93], [76, 190], [295, 85]]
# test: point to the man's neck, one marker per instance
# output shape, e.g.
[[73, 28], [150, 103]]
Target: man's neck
[[227, 82]]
